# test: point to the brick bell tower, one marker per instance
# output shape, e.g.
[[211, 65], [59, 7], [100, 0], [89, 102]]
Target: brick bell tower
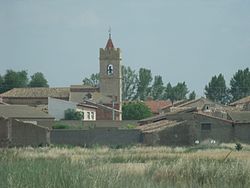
[[110, 73]]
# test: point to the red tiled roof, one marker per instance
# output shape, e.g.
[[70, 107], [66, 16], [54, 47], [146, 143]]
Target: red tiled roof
[[156, 106], [109, 44]]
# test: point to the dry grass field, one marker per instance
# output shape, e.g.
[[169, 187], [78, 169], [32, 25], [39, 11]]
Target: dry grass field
[[130, 167]]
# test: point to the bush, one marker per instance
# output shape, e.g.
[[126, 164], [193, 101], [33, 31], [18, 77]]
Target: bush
[[60, 126], [238, 146], [71, 114]]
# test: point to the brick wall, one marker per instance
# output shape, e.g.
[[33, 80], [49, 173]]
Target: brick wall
[[100, 136]]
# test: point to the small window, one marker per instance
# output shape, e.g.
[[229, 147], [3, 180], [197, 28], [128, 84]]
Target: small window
[[88, 115], [205, 126], [92, 115]]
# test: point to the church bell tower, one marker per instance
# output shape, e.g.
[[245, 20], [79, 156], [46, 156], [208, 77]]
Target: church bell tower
[[110, 73]]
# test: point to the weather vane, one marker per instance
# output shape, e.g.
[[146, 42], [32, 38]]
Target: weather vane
[[109, 32]]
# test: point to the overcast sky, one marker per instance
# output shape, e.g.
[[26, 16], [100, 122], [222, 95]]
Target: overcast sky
[[181, 40]]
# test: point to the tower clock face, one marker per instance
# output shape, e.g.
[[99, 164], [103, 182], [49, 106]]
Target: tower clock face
[[110, 70]]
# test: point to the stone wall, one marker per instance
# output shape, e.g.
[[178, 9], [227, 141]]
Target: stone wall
[[17, 133], [3, 132], [99, 136], [87, 124]]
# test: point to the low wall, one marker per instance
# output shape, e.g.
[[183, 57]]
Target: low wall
[[98, 123], [100, 136]]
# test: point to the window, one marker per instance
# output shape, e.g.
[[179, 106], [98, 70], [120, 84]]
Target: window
[[205, 126], [110, 69], [92, 115], [88, 115]]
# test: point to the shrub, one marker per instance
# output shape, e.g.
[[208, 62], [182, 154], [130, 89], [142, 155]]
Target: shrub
[[238, 146], [71, 114]]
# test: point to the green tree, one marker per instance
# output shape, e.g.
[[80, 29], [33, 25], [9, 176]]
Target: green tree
[[157, 88], [144, 81], [177, 92], [180, 91], [38, 80], [216, 90], [14, 79], [192, 95], [129, 83], [240, 84], [1, 84], [93, 81], [135, 111], [168, 92]]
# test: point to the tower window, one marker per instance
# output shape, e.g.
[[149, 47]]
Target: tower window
[[110, 69]]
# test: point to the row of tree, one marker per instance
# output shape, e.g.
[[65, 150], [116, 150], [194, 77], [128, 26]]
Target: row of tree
[[18, 79], [218, 91], [138, 86]]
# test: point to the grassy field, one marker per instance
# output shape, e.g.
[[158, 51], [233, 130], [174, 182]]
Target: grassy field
[[64, 167]]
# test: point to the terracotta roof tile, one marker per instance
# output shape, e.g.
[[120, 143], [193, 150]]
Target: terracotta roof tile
[[156, 106]]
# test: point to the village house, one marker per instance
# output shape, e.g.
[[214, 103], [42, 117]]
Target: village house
[[57, 108]]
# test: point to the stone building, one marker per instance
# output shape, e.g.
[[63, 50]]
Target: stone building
[[191, 126]]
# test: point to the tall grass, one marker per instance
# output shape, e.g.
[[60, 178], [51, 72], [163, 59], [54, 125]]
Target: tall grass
[[127, 167]]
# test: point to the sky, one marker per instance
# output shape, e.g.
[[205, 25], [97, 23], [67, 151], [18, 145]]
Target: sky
[[181, 40]]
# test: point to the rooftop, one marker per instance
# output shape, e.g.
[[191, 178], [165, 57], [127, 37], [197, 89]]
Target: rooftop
[[22, 112], [241, 116], [37, 92], [241, 101]]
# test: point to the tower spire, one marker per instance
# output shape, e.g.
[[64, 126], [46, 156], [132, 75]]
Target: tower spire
[[109, 44], [109, 32]]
